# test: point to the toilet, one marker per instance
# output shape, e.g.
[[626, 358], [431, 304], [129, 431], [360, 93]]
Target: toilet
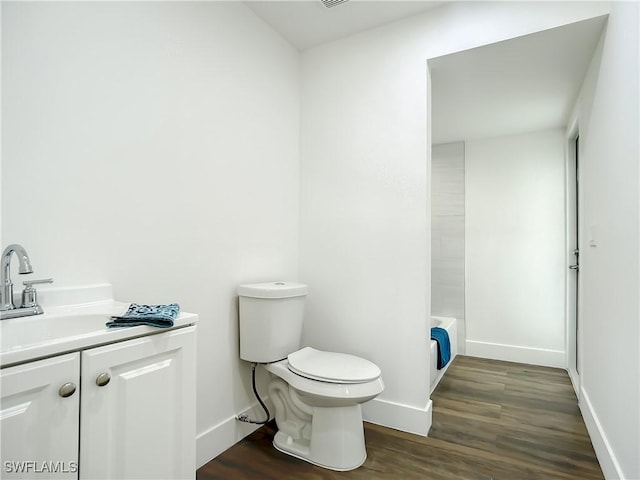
[[316, 394]]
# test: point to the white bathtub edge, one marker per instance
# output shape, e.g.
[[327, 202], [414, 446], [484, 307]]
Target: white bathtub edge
[[450, 324]]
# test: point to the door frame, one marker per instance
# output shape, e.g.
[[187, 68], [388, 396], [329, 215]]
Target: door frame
[[573, 235]]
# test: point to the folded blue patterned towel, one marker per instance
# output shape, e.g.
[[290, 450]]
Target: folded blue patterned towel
[[161, 316], [441, 336]]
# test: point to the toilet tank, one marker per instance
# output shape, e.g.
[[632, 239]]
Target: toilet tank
[[271, 317]]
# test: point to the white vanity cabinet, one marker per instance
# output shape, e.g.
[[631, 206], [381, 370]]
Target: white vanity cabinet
[[131, 415], [39, 418], [138, 408]]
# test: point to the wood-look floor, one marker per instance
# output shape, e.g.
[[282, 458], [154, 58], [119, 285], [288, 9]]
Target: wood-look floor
[[491, 420]]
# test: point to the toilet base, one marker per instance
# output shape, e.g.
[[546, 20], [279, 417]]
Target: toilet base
[[336, 441]]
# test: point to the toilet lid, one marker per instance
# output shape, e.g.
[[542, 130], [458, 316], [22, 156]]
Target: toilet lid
[[332, 367]]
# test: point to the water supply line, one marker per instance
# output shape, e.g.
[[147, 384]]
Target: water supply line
[[244, 417]]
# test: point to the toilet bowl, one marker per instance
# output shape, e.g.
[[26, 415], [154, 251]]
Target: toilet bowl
[[317, 397], [316, 394]]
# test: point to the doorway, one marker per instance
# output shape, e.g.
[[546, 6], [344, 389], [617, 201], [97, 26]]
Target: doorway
[[486, 93]]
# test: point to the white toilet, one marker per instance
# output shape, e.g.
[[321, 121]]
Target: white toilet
[[316, 394]]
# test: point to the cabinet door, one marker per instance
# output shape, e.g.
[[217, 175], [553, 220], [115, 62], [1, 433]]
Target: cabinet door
[[39, 420], [141, 422]]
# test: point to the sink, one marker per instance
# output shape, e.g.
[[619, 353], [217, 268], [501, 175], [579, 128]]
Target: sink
[[29, 331], [69, 328]]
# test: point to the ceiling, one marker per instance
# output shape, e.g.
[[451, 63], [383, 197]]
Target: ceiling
[[307, 23], [526, 84]]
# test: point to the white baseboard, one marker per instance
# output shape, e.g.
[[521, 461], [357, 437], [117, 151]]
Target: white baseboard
[[574, 376], [514, 353], [398, 416], [217, 439], [608, 462]]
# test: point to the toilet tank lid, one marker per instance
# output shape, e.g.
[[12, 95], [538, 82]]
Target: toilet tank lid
[[273, 290]]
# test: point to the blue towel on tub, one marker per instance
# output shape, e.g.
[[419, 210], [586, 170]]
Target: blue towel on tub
[[441, 336], [161, 316]]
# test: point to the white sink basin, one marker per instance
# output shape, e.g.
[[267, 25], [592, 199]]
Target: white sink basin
[[65, 329], [38, 329]]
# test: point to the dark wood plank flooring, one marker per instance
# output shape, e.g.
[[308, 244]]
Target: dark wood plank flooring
[[492, 420]]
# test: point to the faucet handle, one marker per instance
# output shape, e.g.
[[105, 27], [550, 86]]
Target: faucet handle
[[29, 294], [30, 283]]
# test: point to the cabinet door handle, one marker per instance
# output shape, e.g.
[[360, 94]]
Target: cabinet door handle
[[67, 390], [103, 379]]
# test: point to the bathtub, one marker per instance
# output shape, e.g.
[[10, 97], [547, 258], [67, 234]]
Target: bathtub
[[449, 324]]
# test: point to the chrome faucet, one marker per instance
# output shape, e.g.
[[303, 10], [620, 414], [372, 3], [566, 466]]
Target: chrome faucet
[[7, 286], [30, 305]]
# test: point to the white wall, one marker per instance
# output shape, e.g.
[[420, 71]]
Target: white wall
[[100, 100], [365, 209], [447, 235], [155, 146], [515, 243], [607, 113]]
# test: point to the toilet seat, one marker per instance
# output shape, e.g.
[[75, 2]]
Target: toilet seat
[[331, 393], [332, 367]]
